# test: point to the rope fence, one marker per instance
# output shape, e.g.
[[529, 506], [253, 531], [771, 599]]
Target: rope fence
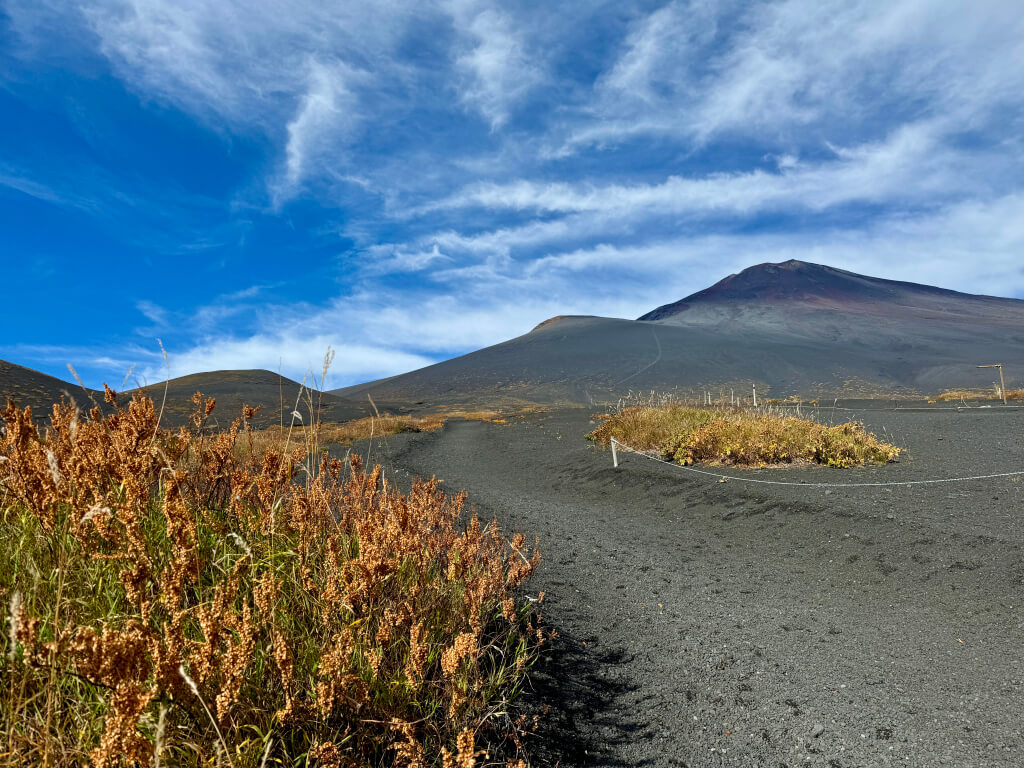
[[615, 462], [919, 408]]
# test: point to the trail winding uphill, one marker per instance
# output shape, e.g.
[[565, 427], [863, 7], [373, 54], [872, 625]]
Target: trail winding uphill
[[708, 624]]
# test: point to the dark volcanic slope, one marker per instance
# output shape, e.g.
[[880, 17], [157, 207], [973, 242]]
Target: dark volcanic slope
[[781, 288], [590, 359], [233, 389], [28, 388], [711, 625], [792, 328]]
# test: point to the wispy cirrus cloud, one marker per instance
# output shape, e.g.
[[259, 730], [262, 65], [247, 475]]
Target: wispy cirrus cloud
[[778, 70], [497, 67], [327, 116], [911, 165], [988, 236]]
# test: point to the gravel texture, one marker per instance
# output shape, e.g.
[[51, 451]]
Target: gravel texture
[[713, 624]]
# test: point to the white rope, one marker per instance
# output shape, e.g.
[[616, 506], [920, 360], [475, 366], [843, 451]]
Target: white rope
[[919, 408], [812, 485]]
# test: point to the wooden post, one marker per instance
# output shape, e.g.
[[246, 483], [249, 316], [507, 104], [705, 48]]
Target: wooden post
[[1002, 382]]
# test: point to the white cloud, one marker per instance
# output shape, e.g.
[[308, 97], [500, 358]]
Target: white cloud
[[497, 68], [293, 73], [972, 246], [910, 170], [660, 50], [774, 70], [910, 165], [385, 259], [152, 312], [181, 53], [13, 179], [326, 118]]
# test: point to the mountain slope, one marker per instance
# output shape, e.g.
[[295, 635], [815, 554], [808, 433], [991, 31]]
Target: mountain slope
[[30, 388], [823, 302], [792, 328], [275, 395]]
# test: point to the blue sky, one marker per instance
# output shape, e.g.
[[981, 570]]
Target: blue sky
[[250, 182]]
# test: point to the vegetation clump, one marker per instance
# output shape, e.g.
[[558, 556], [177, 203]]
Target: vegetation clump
[[348, 432], [951, 395], [174, 601], [741, 437]]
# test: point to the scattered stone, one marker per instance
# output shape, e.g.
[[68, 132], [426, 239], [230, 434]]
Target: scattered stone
[[817, 730]]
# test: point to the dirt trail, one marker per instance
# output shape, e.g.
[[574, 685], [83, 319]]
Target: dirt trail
[[708, 624]]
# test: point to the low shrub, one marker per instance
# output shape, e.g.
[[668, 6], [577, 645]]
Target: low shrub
[[175, 601], [347, 432], [741, 437], [976, 394]]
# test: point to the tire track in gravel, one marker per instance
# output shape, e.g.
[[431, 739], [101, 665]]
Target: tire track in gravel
[[707, 625]]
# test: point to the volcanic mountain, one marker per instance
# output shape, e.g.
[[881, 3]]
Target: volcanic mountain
[[789, 328]]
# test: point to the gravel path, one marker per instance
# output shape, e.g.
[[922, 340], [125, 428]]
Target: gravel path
[[713, 624]]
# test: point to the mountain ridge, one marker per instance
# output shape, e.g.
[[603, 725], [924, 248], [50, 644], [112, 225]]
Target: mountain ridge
[[793, 327], [793, 279], [275, 395]]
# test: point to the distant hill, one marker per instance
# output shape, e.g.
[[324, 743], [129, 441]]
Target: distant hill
[[275, 395], [29, 388], [791, 328]]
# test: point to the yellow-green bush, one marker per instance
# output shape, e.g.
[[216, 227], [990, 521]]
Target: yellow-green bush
[[741, 437]]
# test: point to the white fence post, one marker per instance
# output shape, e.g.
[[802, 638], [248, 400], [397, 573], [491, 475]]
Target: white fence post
[[615, 456]]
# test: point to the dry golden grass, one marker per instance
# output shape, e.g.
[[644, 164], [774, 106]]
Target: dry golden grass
[[962, 394], [741, 437], [175, 600], [976, 394], [348, 432]]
